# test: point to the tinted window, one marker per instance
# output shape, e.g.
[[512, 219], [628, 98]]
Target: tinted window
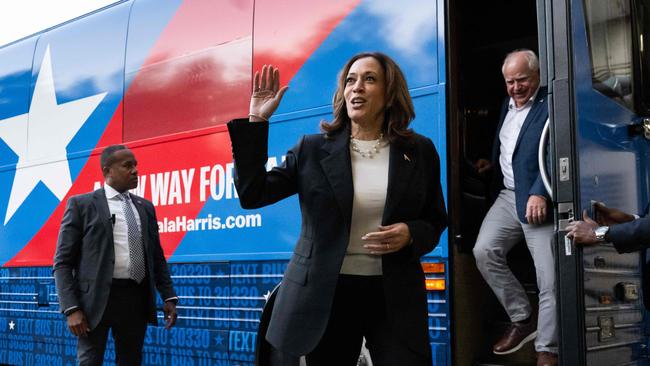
[[188, 66], [609, 27]]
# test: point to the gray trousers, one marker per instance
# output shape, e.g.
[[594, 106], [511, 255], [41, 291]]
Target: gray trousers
[[501, 231]]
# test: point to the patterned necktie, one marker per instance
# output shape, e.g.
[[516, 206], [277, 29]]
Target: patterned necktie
[[136, 253]]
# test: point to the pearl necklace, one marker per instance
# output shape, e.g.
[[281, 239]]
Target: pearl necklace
[[368, 153]]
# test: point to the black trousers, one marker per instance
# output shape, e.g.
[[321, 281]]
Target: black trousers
[[359, 311], [126, 315]]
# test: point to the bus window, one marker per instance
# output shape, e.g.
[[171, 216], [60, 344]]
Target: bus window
[[187, 80], [609, 28], [15, 77]]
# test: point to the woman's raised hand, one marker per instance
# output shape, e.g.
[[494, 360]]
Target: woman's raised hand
[[267, 94]]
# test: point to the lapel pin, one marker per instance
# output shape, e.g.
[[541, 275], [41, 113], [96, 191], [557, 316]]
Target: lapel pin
[[406, 157]]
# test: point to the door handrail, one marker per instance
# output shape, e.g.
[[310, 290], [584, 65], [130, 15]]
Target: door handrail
[[541, 158]]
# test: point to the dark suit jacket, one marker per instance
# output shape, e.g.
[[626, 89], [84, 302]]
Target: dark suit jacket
[[319, 171], [630, 237], [85, 256], [524, 158]]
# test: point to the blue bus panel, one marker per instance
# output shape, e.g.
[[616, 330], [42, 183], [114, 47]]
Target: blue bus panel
[[165, 78]]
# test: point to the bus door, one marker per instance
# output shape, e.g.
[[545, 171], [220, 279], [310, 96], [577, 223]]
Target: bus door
[[480, 35], [599, 113]]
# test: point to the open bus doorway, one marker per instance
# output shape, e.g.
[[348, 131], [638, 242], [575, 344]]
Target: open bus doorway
[[480, 36]]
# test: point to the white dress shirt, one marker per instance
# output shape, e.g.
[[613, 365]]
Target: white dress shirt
[[120, 232], [508, 137]]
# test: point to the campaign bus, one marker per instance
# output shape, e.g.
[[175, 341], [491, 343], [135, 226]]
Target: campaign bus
[[164, 78]]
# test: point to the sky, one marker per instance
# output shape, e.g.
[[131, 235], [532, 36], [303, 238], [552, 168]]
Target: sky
[[20, 18]]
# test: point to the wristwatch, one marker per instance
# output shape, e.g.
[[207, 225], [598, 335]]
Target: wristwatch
[[600, 232]]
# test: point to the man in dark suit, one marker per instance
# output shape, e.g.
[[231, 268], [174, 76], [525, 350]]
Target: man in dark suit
[[520, 211], [108, 260], [628, 233]]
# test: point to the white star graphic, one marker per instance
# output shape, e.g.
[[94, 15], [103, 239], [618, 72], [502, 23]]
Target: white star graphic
[[12, 325], [40, 137]]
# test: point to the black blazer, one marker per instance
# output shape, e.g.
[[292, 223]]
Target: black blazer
[[630, 237], [525, 167], [85, 256], [319, 171]]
